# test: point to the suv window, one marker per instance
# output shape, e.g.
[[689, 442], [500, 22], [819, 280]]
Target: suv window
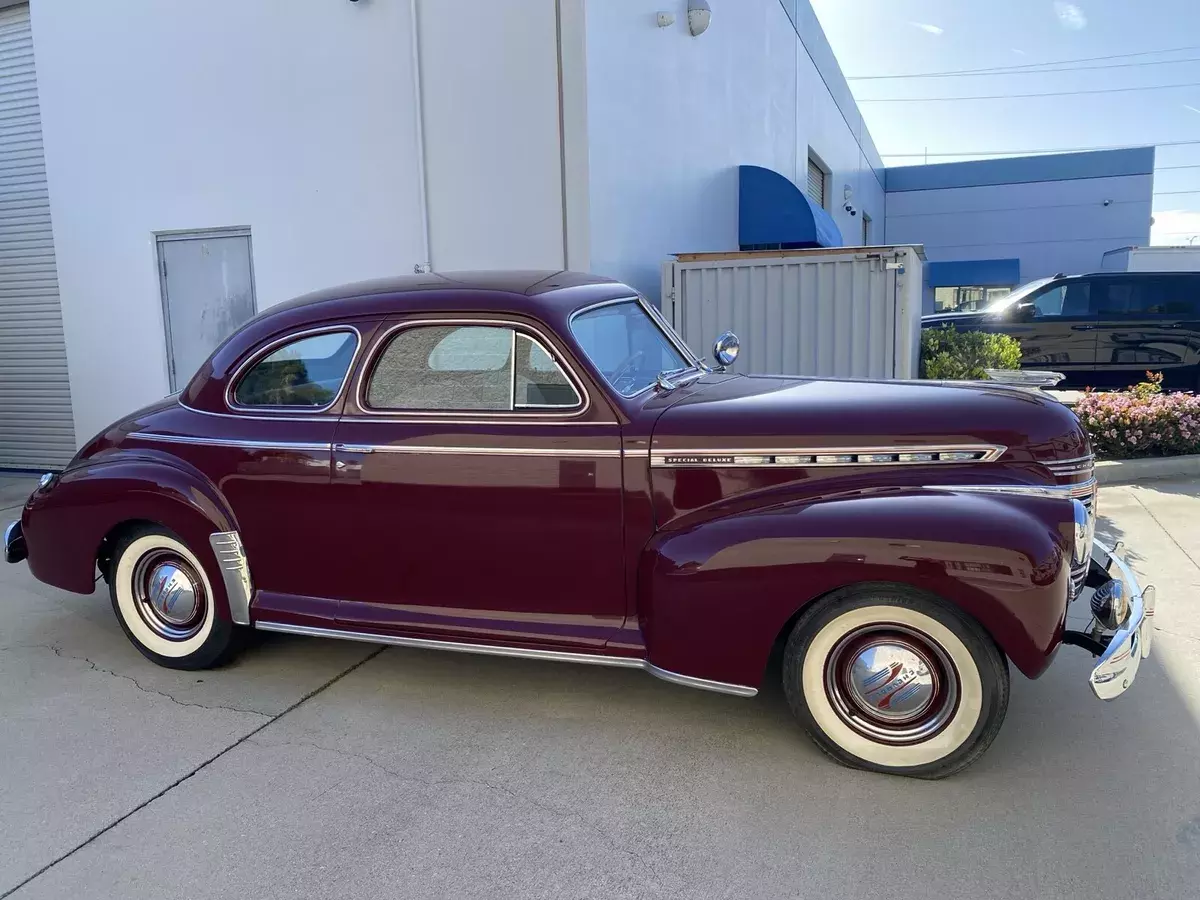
[[1153, 296], [474, 368], [307, 372], [1069, 299]]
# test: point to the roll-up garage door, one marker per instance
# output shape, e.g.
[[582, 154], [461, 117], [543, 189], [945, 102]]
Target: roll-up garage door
[[36, 429]]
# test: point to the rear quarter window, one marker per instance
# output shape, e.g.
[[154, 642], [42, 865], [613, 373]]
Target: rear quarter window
[[306, 373]]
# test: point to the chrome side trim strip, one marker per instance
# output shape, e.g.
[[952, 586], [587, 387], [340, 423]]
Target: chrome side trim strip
[[230, 442], [475, 451], [1090, 458], [703, 684], [281, 416], [1065, 491], [590, 659], [235, 570], [774, 457], [265, 351]]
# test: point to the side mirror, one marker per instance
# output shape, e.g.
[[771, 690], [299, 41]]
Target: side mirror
[[725, 349]]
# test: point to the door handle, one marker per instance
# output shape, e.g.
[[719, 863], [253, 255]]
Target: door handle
[[1083, 327], [352, 448]]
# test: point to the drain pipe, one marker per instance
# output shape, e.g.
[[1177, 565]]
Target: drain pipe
[[426, 263]]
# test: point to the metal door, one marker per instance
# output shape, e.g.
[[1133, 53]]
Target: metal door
[[207, 293]]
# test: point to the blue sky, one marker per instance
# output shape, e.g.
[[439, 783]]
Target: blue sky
[[883, 37]]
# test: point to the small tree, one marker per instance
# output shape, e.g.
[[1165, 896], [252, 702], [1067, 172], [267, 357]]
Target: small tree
[[952, 355]]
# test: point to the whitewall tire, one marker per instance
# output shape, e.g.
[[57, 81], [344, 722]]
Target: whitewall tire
[[887, 678], [165, 603]]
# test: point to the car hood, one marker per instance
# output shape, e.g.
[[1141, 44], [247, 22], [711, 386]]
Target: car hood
[[776, 412]]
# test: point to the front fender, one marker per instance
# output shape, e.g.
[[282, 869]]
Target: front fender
[[718, 594], [65, 523]]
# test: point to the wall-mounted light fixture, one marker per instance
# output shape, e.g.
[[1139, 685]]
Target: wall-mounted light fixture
[[666, 19], [699, 17]]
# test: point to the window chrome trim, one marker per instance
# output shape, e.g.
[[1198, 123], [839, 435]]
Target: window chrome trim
[[236, 443], [1063, 491], [656, 317], [411, 416], [282, 417], [591, 659], [434, 450], [232, 382], [806, 457]]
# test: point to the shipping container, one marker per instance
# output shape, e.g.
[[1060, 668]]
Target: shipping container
[[845, 312], [1152, 259]]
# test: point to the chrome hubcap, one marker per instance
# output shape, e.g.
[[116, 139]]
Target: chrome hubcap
[[169, 595], [172, 594], [892, 684]]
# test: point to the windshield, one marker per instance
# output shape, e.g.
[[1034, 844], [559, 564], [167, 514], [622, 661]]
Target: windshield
[[1019, 294], [627, 346]]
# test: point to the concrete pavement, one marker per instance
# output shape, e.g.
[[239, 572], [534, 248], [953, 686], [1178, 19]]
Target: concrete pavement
[[417, 774]]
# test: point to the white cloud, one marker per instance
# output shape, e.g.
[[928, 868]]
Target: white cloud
[[925, 26], [1174, 226], [1192, 108], [1070, 15], [1018, 52]]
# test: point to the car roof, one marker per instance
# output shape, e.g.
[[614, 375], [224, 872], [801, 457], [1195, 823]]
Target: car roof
[[530, 292]]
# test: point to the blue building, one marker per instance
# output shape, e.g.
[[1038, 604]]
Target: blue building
[[990, 225]]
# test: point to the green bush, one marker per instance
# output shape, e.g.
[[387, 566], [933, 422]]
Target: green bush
[[948, 354]]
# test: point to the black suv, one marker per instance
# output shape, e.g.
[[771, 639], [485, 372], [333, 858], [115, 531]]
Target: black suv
[[1103, 330]]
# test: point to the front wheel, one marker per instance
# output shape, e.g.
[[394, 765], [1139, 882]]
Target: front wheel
[[893, 680], [164, 601]]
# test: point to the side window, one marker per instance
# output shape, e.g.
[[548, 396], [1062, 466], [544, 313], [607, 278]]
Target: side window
[[469, 368], [1136, 297], [306, 373], [1070, 299]]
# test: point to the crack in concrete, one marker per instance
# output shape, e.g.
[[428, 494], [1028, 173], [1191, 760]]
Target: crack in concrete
[[58, 651], [647, 869], [208, 762], [1171, 537]]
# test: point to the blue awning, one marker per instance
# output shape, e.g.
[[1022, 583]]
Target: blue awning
[[974, 272], [774, 214]]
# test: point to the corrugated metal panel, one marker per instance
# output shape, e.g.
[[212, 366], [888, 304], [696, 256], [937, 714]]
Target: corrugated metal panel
[[36, 428], [816, 183], [841, 314]]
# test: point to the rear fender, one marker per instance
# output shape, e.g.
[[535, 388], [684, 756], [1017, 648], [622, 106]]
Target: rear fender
[[65, 524], [718, 594]]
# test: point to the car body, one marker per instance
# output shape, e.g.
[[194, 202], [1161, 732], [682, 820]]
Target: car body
[[1103, 330], [533, 464]]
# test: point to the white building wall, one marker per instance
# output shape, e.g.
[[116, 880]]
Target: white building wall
[[1051, 226], [671, 117], [299, 120], [489, 75]]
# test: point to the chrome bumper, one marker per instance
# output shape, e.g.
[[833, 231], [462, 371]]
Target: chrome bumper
[[1118, 664], [14, 543]]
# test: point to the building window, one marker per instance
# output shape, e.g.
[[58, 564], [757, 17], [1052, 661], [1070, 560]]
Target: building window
[[966, 298], [817, 179], [866, 230]]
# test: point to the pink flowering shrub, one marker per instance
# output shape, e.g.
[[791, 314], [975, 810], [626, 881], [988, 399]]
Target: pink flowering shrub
[[1141, 421]]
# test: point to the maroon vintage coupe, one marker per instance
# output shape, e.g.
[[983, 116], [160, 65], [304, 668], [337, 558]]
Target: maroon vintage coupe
[[534, 465]]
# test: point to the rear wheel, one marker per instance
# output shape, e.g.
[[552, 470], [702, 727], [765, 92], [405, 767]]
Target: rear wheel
[[891, 679], [164, 601]]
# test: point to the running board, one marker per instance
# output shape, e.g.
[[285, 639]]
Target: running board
[[589, 659]]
